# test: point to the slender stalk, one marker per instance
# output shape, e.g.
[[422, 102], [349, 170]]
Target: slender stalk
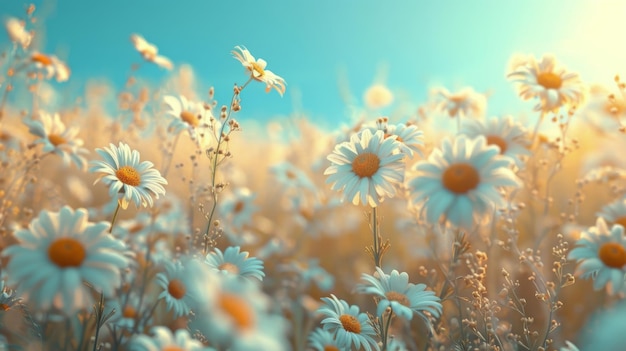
[[99, 318], [535, 134], [376, 247], [214, 166], [117, 209]]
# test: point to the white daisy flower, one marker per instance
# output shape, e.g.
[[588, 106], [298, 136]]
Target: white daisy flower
[[149, 52], [615, 212], [366, 167], [256, 70], [50, 65], [545, 80], [17, 32], [187, 115], [235, 313], [57, 253], [58, 139], [163, 339], [601, 255], [460, 181], [175, 283], [510, 137], [234, 262], [128, 178], [238, 207], [409, 137], [464, 103]]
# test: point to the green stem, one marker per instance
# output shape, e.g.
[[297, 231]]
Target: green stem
[[117, 209], [376, 247], [99, 317]]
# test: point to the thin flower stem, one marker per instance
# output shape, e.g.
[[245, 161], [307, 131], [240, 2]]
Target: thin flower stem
[[376, 247], [386, 331], [117, 209], [99, 317], [214, 167], [535, 134]]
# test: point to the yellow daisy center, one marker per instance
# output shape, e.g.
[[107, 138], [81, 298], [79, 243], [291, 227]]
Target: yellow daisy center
[[148, 54], [177, 289], [290, 175], [41, 58], [128, 175], [460, 178], [56, 139], [239, 205], [612, 255], [229, 267], [350, 323], [365, 165], [621, 221], [135, 228], [549, 80], [398, 297], [498, 141], [4, 307], [387, 135], [190, 118], [129, 312], [238, 309], [172, 348], [67, 252], [258, 69], [330, 348]]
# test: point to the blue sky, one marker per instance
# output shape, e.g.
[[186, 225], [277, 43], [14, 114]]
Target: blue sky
[[314, 44]]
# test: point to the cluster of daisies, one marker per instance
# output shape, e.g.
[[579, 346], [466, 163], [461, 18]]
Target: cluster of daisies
[[146, 280], [460, 183]]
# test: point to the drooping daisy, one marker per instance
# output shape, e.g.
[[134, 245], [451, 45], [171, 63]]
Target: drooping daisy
[[58, 139], [149, 52], [128, 178], [510, 137], [175, 282], [464, 103], [615, 212], [231, 261], [545, 80], [256, 70], [163, 339], [460, 181], [403, 298], [601, 256], [187, 115], [322, 340], [50, 65], [60, 250], [348, 324], [366, 167], [17, 32]]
